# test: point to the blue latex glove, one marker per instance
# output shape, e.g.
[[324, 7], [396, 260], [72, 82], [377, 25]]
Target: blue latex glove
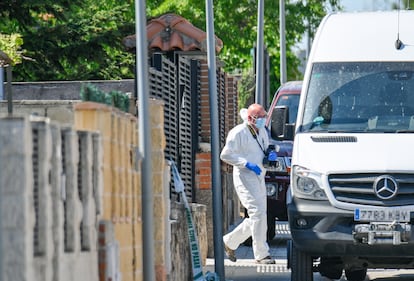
[[272, 156], [253, 167]]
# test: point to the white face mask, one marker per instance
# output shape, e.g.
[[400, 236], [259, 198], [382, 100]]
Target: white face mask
[[260, 123]]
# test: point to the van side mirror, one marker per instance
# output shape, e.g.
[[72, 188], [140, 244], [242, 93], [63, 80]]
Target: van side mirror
[[280, 129]]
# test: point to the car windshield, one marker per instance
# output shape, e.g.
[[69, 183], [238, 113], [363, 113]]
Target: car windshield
[[292, 102], [360, 97]]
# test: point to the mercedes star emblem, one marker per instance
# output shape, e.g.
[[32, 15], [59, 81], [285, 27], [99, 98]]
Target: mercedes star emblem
[[385, 187]]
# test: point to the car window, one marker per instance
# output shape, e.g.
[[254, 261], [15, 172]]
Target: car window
[[292, 102]]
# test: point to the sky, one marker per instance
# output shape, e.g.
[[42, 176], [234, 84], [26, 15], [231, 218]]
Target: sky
[[358, 6], [368, 5], [362, 5]]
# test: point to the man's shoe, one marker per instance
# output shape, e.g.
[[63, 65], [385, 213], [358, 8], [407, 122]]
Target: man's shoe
[[230, 253], [266, 260]]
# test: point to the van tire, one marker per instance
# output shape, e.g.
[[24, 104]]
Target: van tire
[[288, 252], [301, 265], [356, 275], [330, 267]]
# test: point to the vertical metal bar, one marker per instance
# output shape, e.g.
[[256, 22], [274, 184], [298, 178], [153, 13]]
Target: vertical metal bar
[[144, 136], [215, 147], [260, 54], [1, 83], [135, 86], [9, 90], [282, 30]]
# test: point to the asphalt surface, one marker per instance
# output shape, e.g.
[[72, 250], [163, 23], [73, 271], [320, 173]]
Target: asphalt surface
[[245, 268]]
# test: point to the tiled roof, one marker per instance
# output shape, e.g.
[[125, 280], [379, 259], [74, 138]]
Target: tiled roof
[[171, 32]]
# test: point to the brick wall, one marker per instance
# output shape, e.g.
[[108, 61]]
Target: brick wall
[[203, 170], [205, 131], [232, 117], [122, 192]]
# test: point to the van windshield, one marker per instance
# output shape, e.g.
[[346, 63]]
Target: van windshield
[[360, 97]]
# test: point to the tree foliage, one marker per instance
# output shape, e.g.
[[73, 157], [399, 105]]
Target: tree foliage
[[71, 40], [81, 39], [10, 45]]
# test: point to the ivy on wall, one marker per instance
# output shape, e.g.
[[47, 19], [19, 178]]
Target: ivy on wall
[[117, 99]]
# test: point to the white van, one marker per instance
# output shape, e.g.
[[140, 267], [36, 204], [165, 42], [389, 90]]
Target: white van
[[351, 199]]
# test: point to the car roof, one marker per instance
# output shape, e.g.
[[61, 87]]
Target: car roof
[[293, 87]]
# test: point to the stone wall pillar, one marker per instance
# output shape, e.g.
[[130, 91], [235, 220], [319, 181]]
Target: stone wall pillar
[[42, 166], [121, 193], [180, 244], [16, 197], [57, 180]]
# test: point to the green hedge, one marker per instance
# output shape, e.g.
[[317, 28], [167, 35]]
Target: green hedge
[[117, 99]]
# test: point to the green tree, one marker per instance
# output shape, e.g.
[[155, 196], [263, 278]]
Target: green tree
[[82, 39], [10, 45], [71, 40], [403, 4]]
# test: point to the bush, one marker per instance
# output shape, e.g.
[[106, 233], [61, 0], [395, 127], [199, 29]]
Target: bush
[[117, 99]]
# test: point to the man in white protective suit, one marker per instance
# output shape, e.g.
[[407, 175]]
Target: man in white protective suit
[[245, 149]]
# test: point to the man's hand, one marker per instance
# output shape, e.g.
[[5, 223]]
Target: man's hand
[[272, 156], [253, 167]]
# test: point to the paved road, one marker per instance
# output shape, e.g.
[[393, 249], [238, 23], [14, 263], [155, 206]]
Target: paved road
[[245, 268]]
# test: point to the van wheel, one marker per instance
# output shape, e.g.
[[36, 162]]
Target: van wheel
[[330, 267], [288, 252], [301, 265], [356, 275]]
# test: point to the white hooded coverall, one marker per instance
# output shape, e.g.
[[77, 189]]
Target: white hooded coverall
[[241, 147]]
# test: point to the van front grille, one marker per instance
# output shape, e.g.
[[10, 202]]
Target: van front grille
[[358, 189]]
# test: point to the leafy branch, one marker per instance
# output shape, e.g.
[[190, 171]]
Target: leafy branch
[[11, 46]]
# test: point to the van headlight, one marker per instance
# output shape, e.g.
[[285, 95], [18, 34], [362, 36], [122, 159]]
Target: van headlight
[[306, 184]]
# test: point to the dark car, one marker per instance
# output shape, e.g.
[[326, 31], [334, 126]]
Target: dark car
[[278, 176]]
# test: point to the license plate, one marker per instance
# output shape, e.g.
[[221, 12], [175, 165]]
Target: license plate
[[381, 215]]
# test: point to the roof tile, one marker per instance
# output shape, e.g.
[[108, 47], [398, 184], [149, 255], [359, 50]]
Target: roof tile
[[171, 32]]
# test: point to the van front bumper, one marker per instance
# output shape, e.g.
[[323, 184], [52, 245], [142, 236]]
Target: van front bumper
[[319, 229]]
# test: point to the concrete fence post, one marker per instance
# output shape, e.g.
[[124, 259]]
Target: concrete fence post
[[16, 197], [43, 236], [97, 173], [73, 210], [88, 226], [57, 182]]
